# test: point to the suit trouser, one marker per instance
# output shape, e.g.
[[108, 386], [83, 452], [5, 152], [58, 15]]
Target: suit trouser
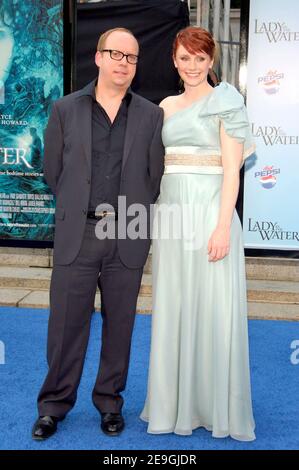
[[72, 295]]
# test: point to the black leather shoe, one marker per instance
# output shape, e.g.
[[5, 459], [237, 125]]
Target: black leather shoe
[[44, 427], [112, 424]]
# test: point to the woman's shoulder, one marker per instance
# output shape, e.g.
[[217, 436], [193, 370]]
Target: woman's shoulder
[[169, 101], [169, 105]]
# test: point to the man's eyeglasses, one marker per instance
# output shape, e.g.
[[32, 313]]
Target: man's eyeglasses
[[117, 55]]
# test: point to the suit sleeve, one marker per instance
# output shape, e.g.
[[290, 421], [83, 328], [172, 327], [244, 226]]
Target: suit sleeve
[[156, 156], [53, 149]]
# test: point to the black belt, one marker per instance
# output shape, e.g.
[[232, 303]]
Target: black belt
[[100, 215]]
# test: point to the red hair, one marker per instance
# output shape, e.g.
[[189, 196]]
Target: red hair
[[195, 40]]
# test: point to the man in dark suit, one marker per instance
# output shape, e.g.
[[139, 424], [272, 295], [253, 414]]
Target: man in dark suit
[[101, 142]]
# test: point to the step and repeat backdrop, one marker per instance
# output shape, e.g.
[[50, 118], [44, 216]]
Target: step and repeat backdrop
[[31, 78], [271, 186]]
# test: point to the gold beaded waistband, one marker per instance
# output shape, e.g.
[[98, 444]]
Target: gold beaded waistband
[[193, 160]]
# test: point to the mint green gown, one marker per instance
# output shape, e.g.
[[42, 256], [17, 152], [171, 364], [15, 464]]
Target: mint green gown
[[199, 361]]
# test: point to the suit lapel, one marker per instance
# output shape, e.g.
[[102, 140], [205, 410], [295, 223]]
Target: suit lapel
[[85, 120], [133, 122], [85, 114]]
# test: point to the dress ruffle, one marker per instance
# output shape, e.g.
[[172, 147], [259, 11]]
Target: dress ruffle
[[228, 104]]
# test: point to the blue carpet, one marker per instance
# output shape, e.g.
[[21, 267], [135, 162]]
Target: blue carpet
[[275, 384]]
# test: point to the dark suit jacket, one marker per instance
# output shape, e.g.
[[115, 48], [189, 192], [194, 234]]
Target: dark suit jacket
[[67, 170]]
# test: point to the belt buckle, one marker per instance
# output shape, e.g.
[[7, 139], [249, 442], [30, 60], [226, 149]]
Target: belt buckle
[[103, 214], [100, 214]]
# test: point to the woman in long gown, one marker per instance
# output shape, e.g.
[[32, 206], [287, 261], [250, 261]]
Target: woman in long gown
[[199, 361]]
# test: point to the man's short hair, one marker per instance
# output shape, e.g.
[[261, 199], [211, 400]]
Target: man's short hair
[[104, 36]]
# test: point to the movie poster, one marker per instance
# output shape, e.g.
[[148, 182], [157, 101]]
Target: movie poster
[[31, 78]]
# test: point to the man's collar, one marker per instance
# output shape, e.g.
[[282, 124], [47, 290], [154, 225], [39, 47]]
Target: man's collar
[[89, 90]]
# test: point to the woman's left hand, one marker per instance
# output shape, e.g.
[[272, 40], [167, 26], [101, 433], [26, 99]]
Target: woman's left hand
[[218, 246]]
